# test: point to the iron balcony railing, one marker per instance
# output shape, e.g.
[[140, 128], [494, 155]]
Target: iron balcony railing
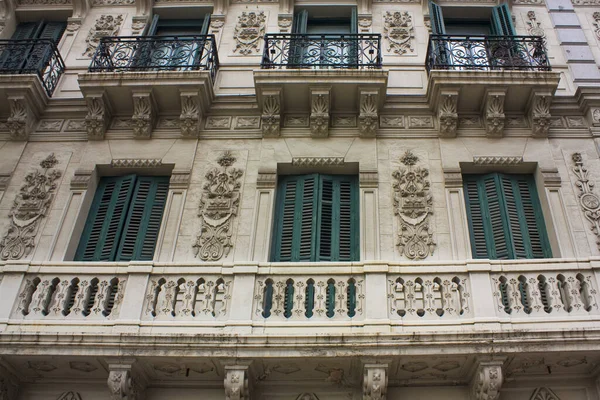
[[487, 53], [32, 56], [156, 53], [352, 51]]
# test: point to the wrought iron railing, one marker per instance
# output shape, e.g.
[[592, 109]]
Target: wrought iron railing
[[32, 56], [156, 53], [352, 51], [487, 53]]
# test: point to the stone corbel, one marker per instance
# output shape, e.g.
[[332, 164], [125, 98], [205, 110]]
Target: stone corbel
[[285, 22], [487, 380], [365, 22], [368, 117], [272, 109], [138, 24], [236, 382], [124, 383], [375, 381], [539, 113], [493, 113], [80, 9], [9, 385], [81, 179], [217, 22], [320, 105], [98, 116], [447, 113], [144, 114], [22, 117], [143, 7], [191, 114], [220, 7]]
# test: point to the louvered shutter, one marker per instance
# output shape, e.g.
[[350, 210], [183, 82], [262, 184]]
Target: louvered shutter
[[300, 22], [52, 31], [498, 247], [40, 55], [151, 29], [205, 25], [140, 234], [100, 238], [479, 243], [437, 19], [502, 24]]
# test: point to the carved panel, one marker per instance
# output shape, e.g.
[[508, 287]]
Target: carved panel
[[589, 201], [30, 207], [399, 31], [413, 205], [249, 32], [218, 208], [106, 25]]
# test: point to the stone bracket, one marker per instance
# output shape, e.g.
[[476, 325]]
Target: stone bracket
[[493, 113], [236, 382], [125, 382], [320, 107], [81, 179], [144, 115], [487, 380], [22, 117], [375, 381], [368, 117], [191, 114], [98, 115], [539, 113], [272, 109], [447, 112]]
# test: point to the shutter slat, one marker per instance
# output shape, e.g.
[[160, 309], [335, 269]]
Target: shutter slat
[[502, 21], [437, 19], [476, 228], [500, 249], [304, 231]]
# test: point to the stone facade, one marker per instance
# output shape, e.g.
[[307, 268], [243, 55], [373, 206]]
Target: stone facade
[[211, 316]]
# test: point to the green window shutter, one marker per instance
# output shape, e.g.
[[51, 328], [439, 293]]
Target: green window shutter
[[205, 25], [437, 19], [27, 30], [53, 31], [502, 24], [105, 220], [300, 22], [151, 29], [479, 243], [140, 234], [496, 228], [354, 21]]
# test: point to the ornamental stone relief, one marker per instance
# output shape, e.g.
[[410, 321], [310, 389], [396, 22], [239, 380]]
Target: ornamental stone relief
[[106, 25], [375, 381], [249, 31], [413, 205], [535, 27], [399, 31], [30, 207], [218, 208], [589, 201], [596, 24], [487, 381], [544, 394]]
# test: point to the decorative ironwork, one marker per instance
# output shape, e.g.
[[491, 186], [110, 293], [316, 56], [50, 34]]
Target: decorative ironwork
[[156, 53], [487, 53], [352, 51], [32, 56]]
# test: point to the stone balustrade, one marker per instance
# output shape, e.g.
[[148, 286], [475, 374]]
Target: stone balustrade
[[254, 298]]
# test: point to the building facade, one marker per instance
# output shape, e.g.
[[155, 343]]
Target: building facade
[[299, 200]]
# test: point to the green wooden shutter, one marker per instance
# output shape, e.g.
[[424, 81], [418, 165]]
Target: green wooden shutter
[[354, 21], [479, 243], [52, 31], [300, 22], [437, 19], [27, 30], [502, 24], [144, 218], [151, 29], [205, 25], [106, 218]]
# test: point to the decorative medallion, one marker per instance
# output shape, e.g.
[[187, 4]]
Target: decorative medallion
[[30, 206], [413, 205], [399, 31], [106, 25], [218, 207], [589, 201], [249, 30], [535, 27]]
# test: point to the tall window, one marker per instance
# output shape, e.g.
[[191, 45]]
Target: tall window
[[27, 55], [124, 219], [316, 219], [505, 217], [481, 21]]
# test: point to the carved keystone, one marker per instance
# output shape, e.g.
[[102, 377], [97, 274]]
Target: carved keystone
[[191, 114], [375, 381], [271, 113], [236, 382], [98, 116], [320, 104], [539, 114], [22, 118], [144, 114], [487, 380], [494, 117], [368, 117], [123, 382], [447, 113]]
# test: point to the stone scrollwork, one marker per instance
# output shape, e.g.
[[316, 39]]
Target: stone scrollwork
[[535, 27], [448, 114], [399, 31], [249, 31], [589, 201], [106, 25], [144, 115], [540, 115], [375, 382], [122, 386], [494, 114], [487, 381], [218, 207], [236, 383], [368, 118], [271, 114], [30, 207], [413, 205], [319, 113]]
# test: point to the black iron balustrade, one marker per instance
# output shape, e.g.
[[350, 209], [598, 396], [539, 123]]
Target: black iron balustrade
[[487, 53], [351, 51], [32, 56], [156, 53]]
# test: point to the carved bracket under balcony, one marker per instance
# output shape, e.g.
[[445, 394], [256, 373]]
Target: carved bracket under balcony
[[22, 118], [320, 105], [447, 113], [236, 382], [191, 114], [487, 380], [375, 381], [123, 382], [539, 113], [271, 113], [494, 117], [368, 117], [144, 115], [98, 116]]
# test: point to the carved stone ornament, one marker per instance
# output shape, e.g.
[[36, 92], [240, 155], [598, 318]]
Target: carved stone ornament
[[113, 2], [447, 114], [589, 201], [218, 207], [69, 396], [494, 114], [97, 118], [375, 382], [249, 32], [284, 22], [368, 118], [307, 396], [319, 113], [497, 160], [487, 381], [596, 116], [121, 385], [138, 24], [535, 27], [540, 115], [413, 205], [21, 118], [30, 207], [144, 115], [271, 115], [106, 25], [236, 383], [544, 394], [596, 23], [189, 120], [399, 31]]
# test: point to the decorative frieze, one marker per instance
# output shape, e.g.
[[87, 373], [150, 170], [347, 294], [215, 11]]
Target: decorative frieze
[[135, 162], [589, 201], [318, 161], [271, 113], [399, 32], [106, 25], [392, 122], [448, 113], [189, 119], [21, 119], [586, 2], [113, 2], [31, 205], [218, 207], [497, 160], [375, 381], [539, 114], [320, 103], [494, 117], [534, 26], [296, 121], [98, 116], [368, 117], [247, 122], [487, 381], [236, 382], [249, 32], [413, 204], [144, 115]]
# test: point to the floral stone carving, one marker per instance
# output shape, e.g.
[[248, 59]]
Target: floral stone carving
[[218, 207], [30, 206], [106, 25], [413, 204], [589, 201], [399, 31], [487, 381], [248, 32], [544, 394]]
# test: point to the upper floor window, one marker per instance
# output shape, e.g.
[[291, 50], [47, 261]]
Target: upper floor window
[[124, 219], [51, 30], [476, 21], [326, 20], [178, 27], [316, 219], [505, 217]]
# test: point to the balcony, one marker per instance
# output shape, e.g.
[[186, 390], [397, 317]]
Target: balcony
[[182, 71], [498, 75], [313, 78]]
